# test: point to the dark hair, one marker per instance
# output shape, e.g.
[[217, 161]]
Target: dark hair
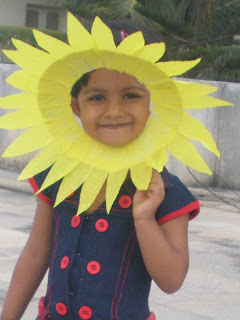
[[81, 82], [129, 27]]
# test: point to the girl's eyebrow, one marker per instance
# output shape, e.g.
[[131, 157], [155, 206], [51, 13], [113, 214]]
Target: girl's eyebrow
[[92, 90], [134, 87]]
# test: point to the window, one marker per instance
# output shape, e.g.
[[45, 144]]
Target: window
[[52, 21], [44, 17], [32, 18]]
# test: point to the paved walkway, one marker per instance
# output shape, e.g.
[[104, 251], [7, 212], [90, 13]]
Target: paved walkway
[[212, 288]]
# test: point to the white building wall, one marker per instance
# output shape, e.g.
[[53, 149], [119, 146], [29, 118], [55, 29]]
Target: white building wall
[[13, 12]]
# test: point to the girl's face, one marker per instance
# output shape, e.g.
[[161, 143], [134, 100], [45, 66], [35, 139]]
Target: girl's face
[[113, 107]]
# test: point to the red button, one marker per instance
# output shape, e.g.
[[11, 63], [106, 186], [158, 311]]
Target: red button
[[75, 222], [71, 194], [101, 225], [64, 262], [85, 313], [125, 201], [93, 267], [61, 308]]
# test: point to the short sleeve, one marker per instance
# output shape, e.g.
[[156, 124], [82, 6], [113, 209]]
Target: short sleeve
[[178, 200], [36, 182]]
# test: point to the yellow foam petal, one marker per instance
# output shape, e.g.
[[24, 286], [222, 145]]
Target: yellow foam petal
[[78, 37], [132, 43], [31, 52], [176, 68], [30, 140], [114, 183], [28, 57], [158, 160], [91, 188], [52, 45], [21, 119], [66, 162], [184, 150], [44, 159], [192, 88], [151, 52], [72, 181], [141, 175], [18, 101], [102, 35], [204, 102], [24, 81], [187, 95], [192, 128]]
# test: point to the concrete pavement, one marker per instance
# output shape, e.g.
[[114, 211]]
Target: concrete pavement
[[212, 287]]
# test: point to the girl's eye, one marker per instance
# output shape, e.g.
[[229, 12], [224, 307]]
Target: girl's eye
[[131, 95], [97, 97]]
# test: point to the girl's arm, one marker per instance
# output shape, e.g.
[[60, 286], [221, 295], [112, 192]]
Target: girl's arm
[[31, 265], [164, 248]]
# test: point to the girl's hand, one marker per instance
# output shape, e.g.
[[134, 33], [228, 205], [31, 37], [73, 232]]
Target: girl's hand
[[145, 203]]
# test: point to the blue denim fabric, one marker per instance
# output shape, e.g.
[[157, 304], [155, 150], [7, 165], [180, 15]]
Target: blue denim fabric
[[121, 288]]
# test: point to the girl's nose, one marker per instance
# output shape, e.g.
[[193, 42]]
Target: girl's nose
[[113, 108]]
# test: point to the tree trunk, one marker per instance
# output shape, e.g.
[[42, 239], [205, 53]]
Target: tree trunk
[[202, 4]]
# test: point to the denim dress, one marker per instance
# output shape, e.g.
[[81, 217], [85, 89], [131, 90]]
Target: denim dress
[[96, 269]]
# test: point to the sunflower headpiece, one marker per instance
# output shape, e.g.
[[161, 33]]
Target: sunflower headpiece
[[76, 157]]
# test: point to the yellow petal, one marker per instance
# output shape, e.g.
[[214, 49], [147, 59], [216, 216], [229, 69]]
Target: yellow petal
[[204, 102], [78, 37], [28, 50], [44, 159], [52, 45], [176, 68], [114, 183], [151, 52], [28, 57], [183, 150], [18, 101], [179, 94], [24, 81], [91, 188], [158, 160], [72, 181], [65, 163], [21, 119], [31, 140], [193, 88], [195, 95], [102, 35], [192, 128], [141, 175], [132, 43]]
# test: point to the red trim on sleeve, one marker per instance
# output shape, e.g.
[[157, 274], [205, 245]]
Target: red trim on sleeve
[[35, 187], [193, 209]]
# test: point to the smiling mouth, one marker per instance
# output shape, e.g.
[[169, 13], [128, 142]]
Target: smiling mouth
[[115, 126]]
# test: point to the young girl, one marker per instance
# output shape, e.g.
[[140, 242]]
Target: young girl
[[101, 266]]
